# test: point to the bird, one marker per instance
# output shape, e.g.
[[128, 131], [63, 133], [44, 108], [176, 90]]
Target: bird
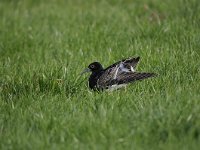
[[115, 76]]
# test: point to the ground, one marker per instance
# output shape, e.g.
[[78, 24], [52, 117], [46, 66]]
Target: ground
[[45, 104]]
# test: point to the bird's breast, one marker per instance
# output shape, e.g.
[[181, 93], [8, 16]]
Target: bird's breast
[[93, 79]]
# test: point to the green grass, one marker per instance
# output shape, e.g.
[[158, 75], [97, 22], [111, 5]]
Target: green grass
[[45, 104]]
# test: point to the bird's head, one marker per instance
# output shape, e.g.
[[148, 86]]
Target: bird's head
[[93, 67]]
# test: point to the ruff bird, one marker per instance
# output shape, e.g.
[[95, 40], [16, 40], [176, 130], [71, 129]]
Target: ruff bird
[[115, 76]]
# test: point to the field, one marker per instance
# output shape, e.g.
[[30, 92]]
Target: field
[[46, 104]]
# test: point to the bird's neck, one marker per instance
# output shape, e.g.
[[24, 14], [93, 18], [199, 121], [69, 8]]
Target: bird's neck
[[94, 73], [94, 77]]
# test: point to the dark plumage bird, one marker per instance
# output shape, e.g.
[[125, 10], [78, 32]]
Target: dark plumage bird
[[115, 76]]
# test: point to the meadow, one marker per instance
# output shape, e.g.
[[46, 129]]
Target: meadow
[[46, 104]]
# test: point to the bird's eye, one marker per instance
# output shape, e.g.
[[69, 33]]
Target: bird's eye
[[92, 66]]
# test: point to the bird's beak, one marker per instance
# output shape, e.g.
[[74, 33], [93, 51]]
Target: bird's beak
[[85, 71]]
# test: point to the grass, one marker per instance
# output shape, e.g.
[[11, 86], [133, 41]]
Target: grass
[[45, 104]]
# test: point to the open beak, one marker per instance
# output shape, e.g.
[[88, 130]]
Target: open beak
[[85, 71]]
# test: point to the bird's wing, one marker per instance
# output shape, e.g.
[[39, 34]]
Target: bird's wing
[[131, 62], [124, 78], [127, 77], [126, 65], [108, 75], [116, 71]]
